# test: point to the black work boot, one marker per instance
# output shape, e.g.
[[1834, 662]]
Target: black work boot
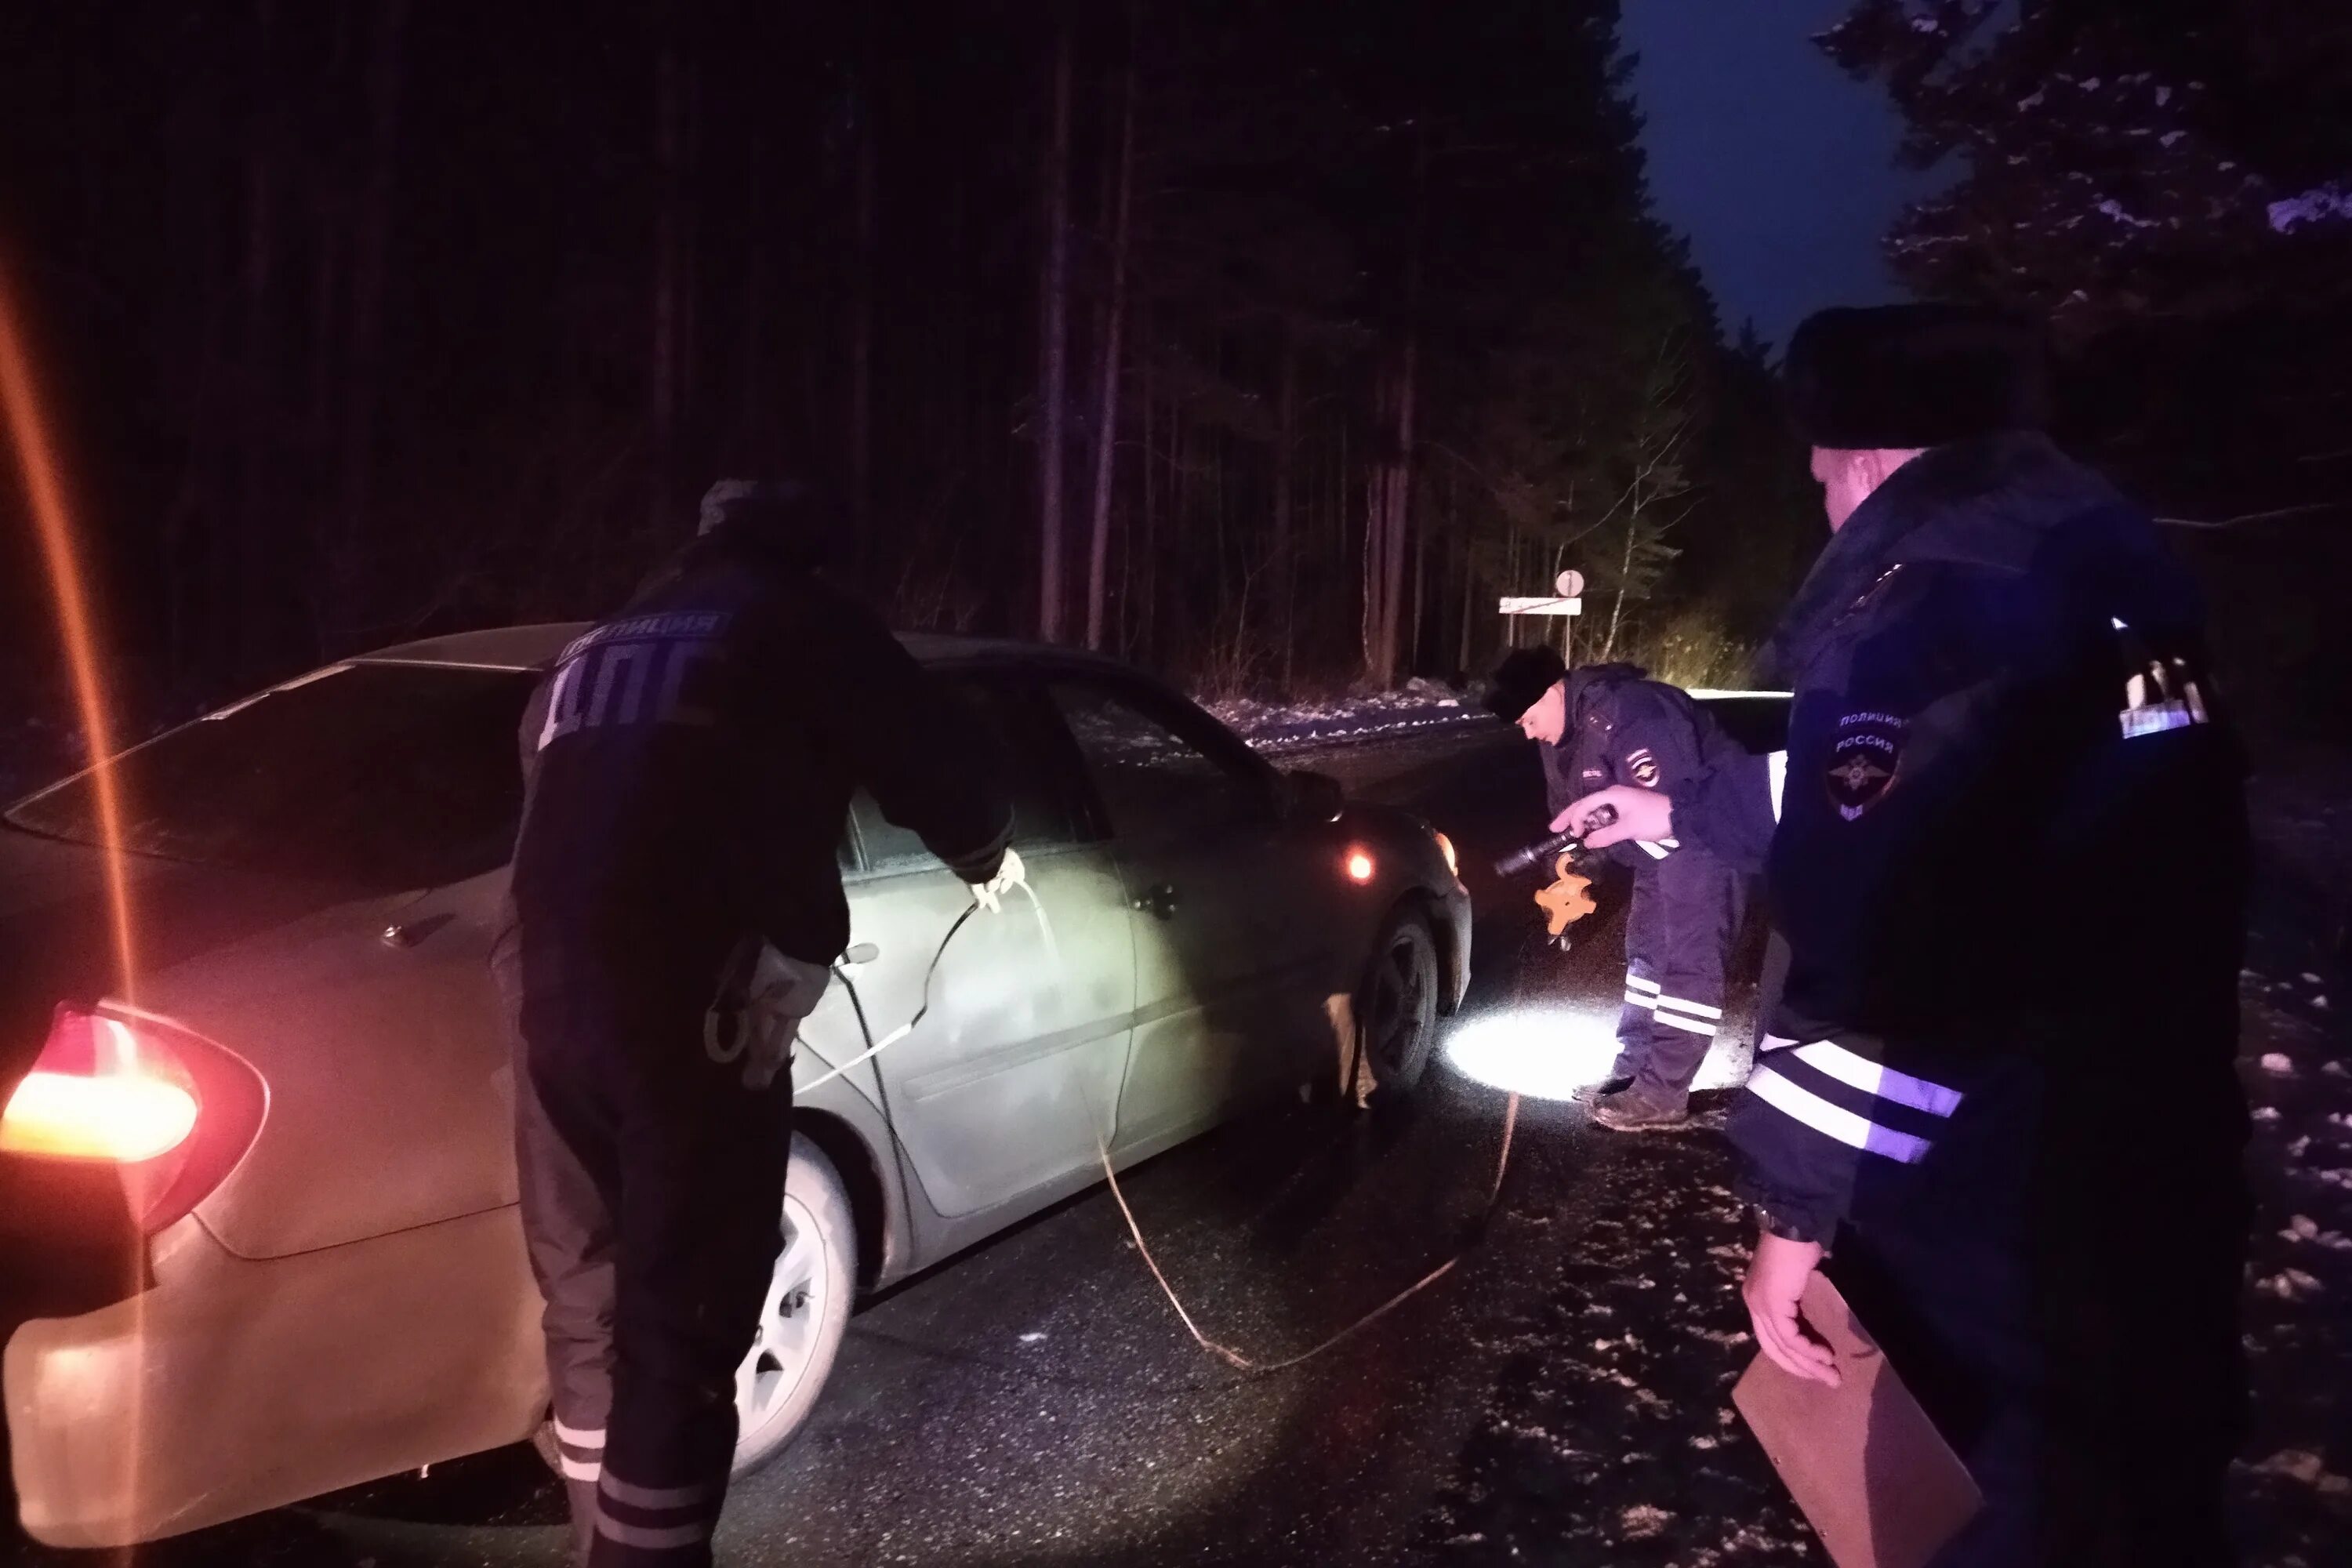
[[1607, 1085], [1631, 1110]]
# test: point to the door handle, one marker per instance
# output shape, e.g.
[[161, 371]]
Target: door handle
[[1159, 900]]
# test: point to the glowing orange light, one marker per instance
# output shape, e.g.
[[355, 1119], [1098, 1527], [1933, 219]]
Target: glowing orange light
[[1360, 866], [43, 489], [123, 1116], [1445, 847]]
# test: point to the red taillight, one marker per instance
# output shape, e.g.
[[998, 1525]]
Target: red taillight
[[165, 1112], [1360, 866]]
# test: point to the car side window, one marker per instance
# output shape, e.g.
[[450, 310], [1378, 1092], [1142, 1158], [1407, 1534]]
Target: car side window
[[1045, 813], [1153, 777]]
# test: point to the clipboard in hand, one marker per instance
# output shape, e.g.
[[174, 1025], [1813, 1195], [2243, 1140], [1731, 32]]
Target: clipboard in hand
[[1874, 1477]]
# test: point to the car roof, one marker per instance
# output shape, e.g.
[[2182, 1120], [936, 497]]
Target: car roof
[[535, 646]]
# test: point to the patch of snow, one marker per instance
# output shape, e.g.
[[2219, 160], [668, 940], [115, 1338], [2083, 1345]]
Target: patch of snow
[[2296, 1465], [2114, 209], [2039, 96], [2173, 138], [1643, 1521], [2320, 1003], [2278, 1063], [2302, 1228], [2266, 1113], [2291, 1285], [2091, 84], [2309, 978], [2163, 96], [1031, 1339]]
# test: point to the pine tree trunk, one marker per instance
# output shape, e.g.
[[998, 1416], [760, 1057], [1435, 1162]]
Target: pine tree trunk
[[1106, 404], [1286, 568], [364, 374], [670, 283], [861, 333], [1052, 348]]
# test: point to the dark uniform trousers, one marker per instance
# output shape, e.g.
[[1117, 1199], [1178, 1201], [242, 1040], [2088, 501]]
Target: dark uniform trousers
[[2071, 1331], [653, 1189], [1685, 910]]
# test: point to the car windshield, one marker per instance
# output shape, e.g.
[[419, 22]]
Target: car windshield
[[386, 774]]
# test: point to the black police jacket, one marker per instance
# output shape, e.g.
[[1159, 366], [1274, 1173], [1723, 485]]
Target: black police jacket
[[689, 766], [1624, 729], [2011, 853]]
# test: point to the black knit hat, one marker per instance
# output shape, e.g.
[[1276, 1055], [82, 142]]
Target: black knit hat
[[1894, 377], [1520, 679]]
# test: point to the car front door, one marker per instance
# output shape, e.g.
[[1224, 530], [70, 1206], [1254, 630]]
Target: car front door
[[1011, 1081], [1228, 959]]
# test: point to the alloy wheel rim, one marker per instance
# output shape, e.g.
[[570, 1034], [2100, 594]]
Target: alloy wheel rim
[[800, 1289]]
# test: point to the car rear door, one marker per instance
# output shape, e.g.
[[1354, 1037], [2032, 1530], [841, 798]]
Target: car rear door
[[1229, 950], [1012, 1080]]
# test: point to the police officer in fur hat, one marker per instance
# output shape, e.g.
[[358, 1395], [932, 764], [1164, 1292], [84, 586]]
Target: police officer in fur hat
[[1609, 723], [689, 767], [2010, 861]]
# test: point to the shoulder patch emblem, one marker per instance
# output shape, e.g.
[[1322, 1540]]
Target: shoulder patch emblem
[[1643, 767], [1866, 754]]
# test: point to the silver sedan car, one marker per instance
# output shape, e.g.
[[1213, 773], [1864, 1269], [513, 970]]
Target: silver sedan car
[[260, 1206]]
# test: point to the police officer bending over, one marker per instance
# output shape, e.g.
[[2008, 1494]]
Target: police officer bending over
[[689, 766], [1605, 724], [2010, 863]]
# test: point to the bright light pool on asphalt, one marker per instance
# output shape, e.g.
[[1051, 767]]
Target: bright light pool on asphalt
[[1551, 1051]]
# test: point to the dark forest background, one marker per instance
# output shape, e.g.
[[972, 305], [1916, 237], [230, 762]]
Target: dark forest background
[[1265, 343]]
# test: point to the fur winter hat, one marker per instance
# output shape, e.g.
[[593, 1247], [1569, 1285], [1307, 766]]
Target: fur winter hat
[[1894, 377], [1521, 679], [733, 503]]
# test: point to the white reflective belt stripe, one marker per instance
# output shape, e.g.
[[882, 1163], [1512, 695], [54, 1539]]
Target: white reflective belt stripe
[[580, 1469], [579, 1436], [1873, 1078], [1672, 843], [1776, 769], [1801, 1104], [653, 1538], [1657, 851], [1635, 999], [2156, 720], [1635, 983], [1695, 1009], [1689, 1025], [1777, 1042], [659, 1496]]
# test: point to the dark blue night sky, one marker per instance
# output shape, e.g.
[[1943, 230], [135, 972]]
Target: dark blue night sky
[[1778, 168]]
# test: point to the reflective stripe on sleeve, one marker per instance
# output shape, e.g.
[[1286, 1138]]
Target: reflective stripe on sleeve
[[1635, 983], [1688, 1026], [579, 1436], [1637, 999], [580, 1469], [1695, 1009], [1801, 1104], [1656, 851]]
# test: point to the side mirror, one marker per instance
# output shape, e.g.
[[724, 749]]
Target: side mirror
[[1308, 798]]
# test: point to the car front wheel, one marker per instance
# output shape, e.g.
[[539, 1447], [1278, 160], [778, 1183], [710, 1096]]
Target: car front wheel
[[1396, 1002]]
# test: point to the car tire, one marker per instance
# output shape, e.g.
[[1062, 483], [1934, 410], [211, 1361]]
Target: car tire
[[792, 1354], [1397, 1000]]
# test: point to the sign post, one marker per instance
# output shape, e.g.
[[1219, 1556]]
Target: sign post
[[1567, 601]]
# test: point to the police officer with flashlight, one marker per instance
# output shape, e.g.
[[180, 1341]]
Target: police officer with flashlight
[[1608, 724], [689, 770], [1998, 1096]]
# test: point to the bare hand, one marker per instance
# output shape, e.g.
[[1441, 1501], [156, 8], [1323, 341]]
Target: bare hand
[[1776, 1282], [1643, 813]]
